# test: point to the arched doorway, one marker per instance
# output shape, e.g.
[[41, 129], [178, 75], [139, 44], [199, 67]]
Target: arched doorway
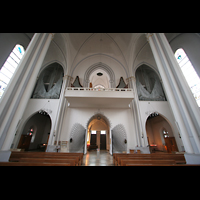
[[160, 135], [98, 133], [36, 132]]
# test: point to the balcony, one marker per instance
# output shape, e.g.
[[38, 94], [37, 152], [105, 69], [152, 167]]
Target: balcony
[[99, 98]]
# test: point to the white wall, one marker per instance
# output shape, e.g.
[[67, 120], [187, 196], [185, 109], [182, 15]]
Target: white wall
[[115, 116]]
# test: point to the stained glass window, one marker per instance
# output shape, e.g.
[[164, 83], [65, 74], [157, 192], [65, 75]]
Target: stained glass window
[[189, 73], [10, 66]]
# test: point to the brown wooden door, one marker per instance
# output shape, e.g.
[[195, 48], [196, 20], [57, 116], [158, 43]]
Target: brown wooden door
[[171, 144], [24, 142], [103, 141], [93, 139]]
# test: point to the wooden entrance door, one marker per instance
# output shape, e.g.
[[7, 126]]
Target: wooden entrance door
[[171, 144], [24, 142], [103, 141], [93, 139]]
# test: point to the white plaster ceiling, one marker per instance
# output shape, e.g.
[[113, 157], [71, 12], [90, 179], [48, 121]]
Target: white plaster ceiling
[[115, 45], [120, 47]]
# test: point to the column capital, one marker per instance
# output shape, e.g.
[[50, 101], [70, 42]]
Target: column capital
[[130, 78], [148, 35], [52, 35]]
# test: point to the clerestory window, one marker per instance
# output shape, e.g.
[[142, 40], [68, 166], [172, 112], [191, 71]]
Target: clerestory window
[[10, 67], [189, 73]]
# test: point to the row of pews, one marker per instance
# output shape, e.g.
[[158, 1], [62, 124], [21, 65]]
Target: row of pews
[[43, 159], [164, 159]]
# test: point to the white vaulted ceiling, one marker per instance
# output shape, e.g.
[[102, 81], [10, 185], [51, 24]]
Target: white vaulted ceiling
[[118, 46], [121, 49]]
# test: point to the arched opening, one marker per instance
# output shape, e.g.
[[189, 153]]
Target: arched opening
[[149, 87], [160, 135], [99, 79], [98, 133], [99, 74], [49, 83], [35, 134]]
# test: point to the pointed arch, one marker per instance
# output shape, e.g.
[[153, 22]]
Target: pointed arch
[[102, 66], [148, 83], [49, 83], [99, 116]]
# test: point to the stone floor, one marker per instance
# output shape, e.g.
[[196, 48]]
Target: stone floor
[[101, 158]]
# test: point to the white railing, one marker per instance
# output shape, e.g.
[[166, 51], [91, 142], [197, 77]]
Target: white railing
[[100, 89]]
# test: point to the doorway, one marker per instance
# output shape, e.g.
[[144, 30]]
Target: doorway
[[98, 133], [160, 135], [35, 133], [103, 140]]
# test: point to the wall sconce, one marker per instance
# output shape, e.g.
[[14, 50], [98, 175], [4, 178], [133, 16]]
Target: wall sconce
[[125, 141], [71, 140]]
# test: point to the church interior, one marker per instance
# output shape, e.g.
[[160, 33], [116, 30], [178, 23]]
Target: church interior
[[100, 94]]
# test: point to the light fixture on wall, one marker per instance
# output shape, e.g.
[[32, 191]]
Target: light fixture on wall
[[154, 114], [45, 111]]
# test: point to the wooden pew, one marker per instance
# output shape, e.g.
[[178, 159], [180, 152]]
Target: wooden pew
[[32, 164], [15, 156], [76, 159], [147, 165], [124, 162], [72, 162], [179, 158]]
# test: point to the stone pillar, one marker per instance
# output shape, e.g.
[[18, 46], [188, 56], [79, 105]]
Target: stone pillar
[[18, 94], [56, 130], [183, 105]]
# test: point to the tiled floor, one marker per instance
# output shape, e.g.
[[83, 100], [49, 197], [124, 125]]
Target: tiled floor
[[94, 158]]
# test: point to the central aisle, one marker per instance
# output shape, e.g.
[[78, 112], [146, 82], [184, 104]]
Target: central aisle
[[94, 158]]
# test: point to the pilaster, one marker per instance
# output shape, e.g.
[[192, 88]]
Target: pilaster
[[29, 68], [167, 67]]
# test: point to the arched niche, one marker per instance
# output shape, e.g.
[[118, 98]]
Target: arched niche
[[49, 83], [160, 134], [149, 87], [37, 127]]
